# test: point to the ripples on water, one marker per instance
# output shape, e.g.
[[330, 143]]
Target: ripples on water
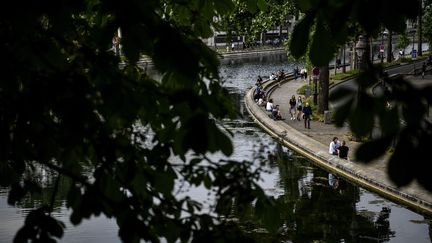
[[314, 211]]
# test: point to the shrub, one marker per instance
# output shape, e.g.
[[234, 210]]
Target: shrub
[[302, 89]]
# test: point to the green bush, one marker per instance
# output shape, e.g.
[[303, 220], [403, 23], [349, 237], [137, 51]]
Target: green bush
[[405, 59], [302, 89], [340, 76]]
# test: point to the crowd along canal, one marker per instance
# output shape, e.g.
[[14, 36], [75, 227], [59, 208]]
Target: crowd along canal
[[313, 211]]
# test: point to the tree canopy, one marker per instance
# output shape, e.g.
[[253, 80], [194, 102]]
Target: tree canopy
[[401, 112], [67, 106]]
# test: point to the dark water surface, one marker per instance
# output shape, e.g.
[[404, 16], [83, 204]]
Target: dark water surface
[[313, 211]]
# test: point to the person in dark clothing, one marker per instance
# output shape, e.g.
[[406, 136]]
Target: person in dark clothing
[[343, 150], [276, 115], [259, 79], [423, 69], [307, 113]]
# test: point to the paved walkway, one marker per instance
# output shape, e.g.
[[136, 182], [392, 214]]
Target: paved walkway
[[313, 143]]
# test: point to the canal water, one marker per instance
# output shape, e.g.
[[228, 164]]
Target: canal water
[[313, 210]]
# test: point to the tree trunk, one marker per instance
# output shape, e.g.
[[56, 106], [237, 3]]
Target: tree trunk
[[344, 59], [420, 30], [324, 89], [366, 54], [335, 64], [390, 47]]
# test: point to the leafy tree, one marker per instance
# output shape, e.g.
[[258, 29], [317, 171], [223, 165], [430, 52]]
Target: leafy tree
[[427, 23], [122, 138], [363, 111], [252, 25], [390, 47], [403, 41]]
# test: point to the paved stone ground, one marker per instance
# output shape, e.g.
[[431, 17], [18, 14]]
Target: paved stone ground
[[321, 134], [319, 131]]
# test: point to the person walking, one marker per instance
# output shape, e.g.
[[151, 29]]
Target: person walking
[[299, 107], [423, 70], [292, 111], [307, 112]]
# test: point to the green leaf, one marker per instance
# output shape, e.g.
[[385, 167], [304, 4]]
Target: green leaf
[[323, 46], [300, 36], [343, 111], [399, 168], [7, 174], [304, 5], [372, 149], [251, 5], [422, 162], [267, 211], [340, 93], [362, 118], [53, 226], [207, 181], [164, 182], [389, 121], [219, 140], [16, 193], [223, 6], [262, 5]]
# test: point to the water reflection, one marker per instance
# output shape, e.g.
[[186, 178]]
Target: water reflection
[[312, 210]]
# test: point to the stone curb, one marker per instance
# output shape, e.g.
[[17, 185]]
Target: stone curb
[[317, 152]]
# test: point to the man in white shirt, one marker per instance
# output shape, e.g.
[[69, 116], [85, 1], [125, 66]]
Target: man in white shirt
[[334, 144], [269, 105]]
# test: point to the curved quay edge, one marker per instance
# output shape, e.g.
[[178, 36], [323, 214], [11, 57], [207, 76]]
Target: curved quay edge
[[317, 153]]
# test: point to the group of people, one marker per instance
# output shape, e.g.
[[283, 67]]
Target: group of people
[[278, 76], [302, 73], [298, 110], [259, 90], [274, 110], [338, 148]]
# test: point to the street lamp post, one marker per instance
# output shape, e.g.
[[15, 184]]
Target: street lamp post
[[315, 74], [362, 48], [383, 34], [413, 51]]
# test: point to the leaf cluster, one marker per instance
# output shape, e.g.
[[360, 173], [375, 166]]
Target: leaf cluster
[[331, 23], [400, 111], [66, 105]]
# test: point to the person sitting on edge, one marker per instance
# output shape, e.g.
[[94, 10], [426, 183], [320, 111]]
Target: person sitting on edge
[[343, 150], [276, 114], [259, 80], [334, 144], [269, 106], [261, 101], [257, 96], [272, 76]]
